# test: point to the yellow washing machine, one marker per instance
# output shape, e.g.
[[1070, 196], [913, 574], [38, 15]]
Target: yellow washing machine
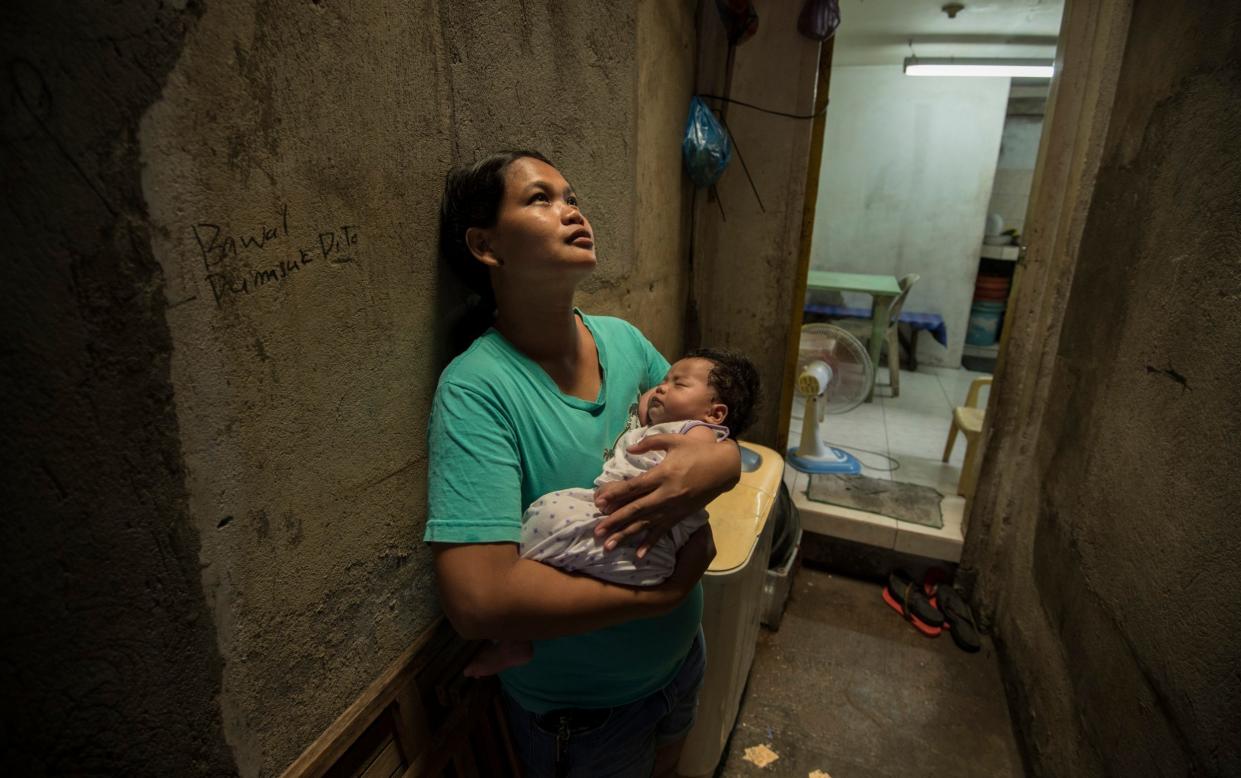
[[733, 602]]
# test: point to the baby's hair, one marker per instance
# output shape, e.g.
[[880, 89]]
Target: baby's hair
[[735, 381]]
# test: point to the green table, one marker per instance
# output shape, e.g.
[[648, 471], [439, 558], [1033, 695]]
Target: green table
[[882, 289]]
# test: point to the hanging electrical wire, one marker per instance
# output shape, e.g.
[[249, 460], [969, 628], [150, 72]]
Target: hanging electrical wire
[[786, 114]]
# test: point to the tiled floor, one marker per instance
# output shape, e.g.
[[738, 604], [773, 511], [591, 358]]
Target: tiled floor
[[901, 438]]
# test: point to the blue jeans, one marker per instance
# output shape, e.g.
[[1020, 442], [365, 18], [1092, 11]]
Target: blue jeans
[[615, 742]]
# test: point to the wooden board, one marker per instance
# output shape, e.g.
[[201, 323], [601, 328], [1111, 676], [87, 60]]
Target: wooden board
[[420, 717]]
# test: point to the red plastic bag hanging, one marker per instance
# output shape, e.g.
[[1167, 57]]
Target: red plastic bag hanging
[[739, 18]]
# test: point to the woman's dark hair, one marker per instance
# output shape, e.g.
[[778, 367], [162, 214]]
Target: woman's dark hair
[[736, 384], [472, 195]]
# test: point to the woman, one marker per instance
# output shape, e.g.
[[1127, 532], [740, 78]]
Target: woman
[[531, 407]]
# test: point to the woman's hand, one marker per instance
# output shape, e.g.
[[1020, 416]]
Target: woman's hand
[[693, 473]]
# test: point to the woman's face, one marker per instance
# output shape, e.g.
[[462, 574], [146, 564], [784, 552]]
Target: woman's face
[[540, 231]]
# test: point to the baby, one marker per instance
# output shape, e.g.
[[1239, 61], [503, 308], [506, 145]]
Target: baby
[[707, 394]]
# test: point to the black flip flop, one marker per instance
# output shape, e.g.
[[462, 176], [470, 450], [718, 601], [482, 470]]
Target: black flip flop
[[906, 597], [959, 617]]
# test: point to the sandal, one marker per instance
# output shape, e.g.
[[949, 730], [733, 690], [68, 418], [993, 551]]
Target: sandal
[[906, 597], [959, 618]]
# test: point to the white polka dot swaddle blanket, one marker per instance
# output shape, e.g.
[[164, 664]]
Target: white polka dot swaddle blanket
[[558, 528]]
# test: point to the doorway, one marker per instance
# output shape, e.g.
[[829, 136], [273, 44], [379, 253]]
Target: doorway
[[923, 181]]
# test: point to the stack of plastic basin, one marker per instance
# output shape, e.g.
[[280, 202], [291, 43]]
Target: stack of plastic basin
[[987, 311]]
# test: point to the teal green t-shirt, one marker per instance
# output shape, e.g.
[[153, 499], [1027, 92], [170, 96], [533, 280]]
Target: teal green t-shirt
[[502, 434]]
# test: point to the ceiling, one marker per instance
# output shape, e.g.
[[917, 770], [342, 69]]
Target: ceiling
[[878, 32]]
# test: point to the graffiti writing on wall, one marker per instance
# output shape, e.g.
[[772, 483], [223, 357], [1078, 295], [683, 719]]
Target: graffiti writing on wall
[[240, 264]]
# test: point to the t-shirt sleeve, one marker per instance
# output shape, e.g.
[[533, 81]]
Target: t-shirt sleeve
[[721, 432], [474, 472]]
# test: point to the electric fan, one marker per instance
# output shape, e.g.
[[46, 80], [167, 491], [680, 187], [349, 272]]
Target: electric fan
[[834, 374]]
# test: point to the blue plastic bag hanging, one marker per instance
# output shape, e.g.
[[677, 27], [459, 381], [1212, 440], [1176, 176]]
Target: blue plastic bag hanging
[[705, 148]]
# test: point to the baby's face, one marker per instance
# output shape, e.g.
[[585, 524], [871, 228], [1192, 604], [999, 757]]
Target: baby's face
[[685, 394]]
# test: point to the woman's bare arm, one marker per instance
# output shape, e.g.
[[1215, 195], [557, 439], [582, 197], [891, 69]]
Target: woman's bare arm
[[488, 591]]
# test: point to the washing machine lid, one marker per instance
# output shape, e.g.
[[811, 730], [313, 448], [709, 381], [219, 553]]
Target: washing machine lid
[[737, 520], [739, 516]]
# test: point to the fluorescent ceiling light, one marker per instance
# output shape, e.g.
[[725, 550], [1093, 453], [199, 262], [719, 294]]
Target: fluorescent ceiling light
[[1010, 68]]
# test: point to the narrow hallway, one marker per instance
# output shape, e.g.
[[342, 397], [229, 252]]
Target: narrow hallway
[[847, 688]]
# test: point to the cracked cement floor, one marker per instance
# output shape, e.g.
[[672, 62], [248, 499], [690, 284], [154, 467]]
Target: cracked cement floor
[[847, 688]]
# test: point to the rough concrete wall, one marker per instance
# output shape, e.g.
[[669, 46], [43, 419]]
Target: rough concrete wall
[[1120, 630], [302, 398], [110, 659], [652, 294], [745, 258], [238, 326]]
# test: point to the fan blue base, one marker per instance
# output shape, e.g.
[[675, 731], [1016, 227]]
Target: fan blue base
[[844, 463]]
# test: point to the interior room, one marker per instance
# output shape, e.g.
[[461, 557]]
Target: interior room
[[924, 183], [309, 306]]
